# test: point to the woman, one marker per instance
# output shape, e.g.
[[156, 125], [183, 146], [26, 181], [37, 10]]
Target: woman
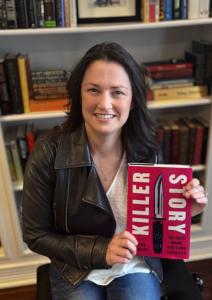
[[74, 201]]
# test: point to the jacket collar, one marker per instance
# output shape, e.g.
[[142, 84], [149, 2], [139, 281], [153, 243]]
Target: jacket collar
[[73, 150]]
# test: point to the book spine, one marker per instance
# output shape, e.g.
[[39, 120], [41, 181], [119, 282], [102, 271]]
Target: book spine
[[168, 10], [204, 8], [32, 14], [4, 95], [145, 11], [193, 92], [73, 13], [183, 9], [175, 144], [169, 67], [40, 13], [179, 73], [11, 14], [11, 163], [49, 13], [176, 9], [48, 105], [60, 13], [16, 159], [193, 9], [22, 13], [22, 68], [3, 14], [198, 143], [67, 13], [161, 12], [152, 10], [13, 81]]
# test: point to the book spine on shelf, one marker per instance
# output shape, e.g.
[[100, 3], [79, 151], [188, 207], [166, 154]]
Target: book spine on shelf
[[48, 104], [60, 13], [176, 9], [11, 14], [23, 75], [32, 13], [40, 13], [13, 81], [193, 9], [67, 13], [3, 14], [183, 9], [22, 13], [49, 13], [73, 13], [168, 10], [193, 92], [204, 6], [5, 102], [175, 143]]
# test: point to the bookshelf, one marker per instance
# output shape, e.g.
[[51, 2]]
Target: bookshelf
[[62, 47]]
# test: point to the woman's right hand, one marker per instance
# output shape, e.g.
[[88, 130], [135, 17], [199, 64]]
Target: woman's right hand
[[121, 249]]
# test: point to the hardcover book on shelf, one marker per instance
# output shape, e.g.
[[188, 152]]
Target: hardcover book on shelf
[[158, 215], [5, 103], [13, 82]]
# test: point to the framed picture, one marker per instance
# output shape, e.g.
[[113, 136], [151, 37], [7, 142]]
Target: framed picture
[[105, 11]]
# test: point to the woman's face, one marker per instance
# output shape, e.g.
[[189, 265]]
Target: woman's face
[[106, 98]]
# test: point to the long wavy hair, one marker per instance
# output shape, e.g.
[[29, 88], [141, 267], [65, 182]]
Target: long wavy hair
[[139, 132]]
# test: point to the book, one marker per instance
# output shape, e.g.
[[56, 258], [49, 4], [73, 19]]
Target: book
[[166, 141], [184, 138], [13, 82], [158, 215], [22, 13], [11, 14], [60, 13], [168, 10], [47, 104], [5, 103], [24, 81], [49, 13], [32, 13], [40, 13], [10, 139], [199, 134], [3, 15], [191, 92], [193, 9], [183, 9]]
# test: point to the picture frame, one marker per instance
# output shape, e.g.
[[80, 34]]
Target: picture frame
[[104, 11]]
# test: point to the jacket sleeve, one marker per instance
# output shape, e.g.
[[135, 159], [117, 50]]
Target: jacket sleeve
[[83, 252]]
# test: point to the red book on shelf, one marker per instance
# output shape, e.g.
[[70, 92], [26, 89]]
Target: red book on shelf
[[158, 215]]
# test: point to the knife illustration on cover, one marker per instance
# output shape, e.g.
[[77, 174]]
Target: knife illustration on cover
[[158, 220]]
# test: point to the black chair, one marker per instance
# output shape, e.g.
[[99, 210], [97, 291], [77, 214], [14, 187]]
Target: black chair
[[178, 283]]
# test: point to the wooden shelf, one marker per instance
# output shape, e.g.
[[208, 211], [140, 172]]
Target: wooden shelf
[[105, 27], [179, 103]]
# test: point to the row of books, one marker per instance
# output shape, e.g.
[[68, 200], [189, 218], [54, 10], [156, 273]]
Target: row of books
[[184, 141], [23, 90], [186, 78], [19, 142], [167, 10], [37, 13], [63, 13]]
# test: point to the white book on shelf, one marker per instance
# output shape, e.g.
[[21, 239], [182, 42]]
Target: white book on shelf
[[73, 13], [193, 9], [204, 6]]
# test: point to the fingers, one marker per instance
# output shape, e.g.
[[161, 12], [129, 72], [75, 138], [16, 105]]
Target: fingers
[[121, 249], [196, 192]]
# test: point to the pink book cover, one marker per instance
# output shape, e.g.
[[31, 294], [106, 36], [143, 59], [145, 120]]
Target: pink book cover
[[158, 215]]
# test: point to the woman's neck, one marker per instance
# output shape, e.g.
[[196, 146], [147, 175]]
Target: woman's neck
[[105, 147]]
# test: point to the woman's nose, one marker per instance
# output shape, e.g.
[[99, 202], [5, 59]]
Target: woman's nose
[[105, 100]]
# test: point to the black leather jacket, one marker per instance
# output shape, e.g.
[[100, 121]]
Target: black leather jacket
[[66, 214]]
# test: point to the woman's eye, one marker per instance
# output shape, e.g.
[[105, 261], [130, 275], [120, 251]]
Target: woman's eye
[[93, 90], [119, 93]]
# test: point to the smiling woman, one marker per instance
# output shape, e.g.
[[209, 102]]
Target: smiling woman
[[75, 186]]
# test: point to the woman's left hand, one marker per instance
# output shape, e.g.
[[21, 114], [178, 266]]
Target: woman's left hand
[[196, 192]]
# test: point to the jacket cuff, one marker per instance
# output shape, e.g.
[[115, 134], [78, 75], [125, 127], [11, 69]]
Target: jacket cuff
[[99, 253]]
